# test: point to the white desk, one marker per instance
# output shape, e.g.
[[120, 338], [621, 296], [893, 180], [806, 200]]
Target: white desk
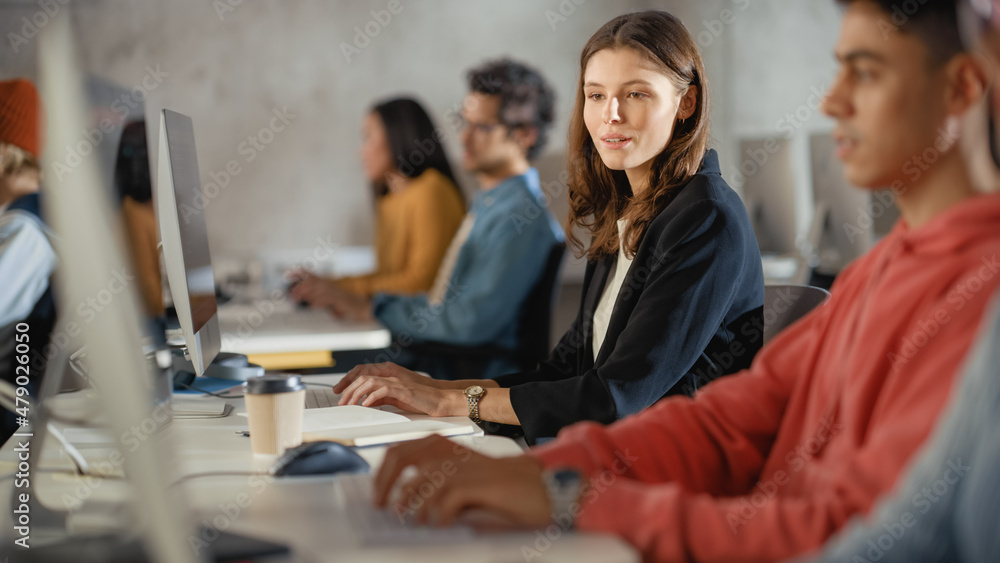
[[304, 513], [281, 336], [247, 330]]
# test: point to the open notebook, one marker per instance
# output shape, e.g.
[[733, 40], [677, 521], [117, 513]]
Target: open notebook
[[354, 425]]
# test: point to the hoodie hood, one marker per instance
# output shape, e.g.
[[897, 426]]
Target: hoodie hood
[[953, 230]]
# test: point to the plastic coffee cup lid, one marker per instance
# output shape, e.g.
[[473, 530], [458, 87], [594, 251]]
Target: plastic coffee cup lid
[[266, 384]]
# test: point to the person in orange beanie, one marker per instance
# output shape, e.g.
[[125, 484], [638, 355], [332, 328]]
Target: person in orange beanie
[[27, 257]]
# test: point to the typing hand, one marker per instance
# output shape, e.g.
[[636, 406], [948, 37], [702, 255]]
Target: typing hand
[[450, 479], [325, 293], [310, 288], [384, 369], [403, 393]]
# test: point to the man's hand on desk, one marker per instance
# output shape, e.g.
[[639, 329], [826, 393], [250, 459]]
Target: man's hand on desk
[[326, 294], [450, 479]]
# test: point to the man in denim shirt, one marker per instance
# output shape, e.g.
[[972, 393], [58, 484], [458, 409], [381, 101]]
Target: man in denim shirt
[[501, 249]]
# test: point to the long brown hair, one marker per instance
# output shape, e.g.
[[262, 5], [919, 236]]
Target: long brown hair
[[599, 196]]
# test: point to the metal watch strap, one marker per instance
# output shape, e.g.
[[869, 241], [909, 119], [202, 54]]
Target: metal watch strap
[[474, 408]]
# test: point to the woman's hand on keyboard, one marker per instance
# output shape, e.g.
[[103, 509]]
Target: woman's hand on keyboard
[[385, 369], [402, 389], [451, 479]]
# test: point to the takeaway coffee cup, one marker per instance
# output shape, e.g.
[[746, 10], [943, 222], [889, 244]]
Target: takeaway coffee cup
[[275, 405]]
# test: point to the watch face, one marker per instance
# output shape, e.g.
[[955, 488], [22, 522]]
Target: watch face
[[474, 391]]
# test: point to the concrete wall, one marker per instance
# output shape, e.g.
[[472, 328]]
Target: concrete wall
[[233, 66]]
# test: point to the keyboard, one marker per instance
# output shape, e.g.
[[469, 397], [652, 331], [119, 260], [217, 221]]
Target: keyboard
[[385, 527], [321, 397]]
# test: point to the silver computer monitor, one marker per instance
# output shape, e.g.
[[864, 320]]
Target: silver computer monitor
[[850, 219], [77, 207], [180, 214], [769, 193]]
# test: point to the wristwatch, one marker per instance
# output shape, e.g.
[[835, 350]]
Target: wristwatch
[[565, 488], [473, 394]]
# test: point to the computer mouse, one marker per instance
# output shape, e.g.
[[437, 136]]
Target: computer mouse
[[321, 457]]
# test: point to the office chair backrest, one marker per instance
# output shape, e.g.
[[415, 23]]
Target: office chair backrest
[[536, 312], [449, 361], [785, 304]]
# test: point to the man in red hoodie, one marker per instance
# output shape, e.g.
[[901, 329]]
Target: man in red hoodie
[[769, 463]]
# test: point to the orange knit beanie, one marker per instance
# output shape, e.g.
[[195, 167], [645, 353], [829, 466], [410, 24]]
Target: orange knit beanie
[[20, 115]]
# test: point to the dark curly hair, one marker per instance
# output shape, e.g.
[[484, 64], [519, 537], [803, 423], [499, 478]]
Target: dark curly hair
[[526, 99]]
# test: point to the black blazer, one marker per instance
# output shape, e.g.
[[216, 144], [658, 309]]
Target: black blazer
[[689, 310]]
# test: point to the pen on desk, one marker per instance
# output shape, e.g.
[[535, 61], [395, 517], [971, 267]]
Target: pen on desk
[[244, 433]]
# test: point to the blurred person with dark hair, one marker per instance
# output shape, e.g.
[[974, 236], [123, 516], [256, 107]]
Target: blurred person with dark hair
[[135, 192], [418, 206], [27, 257], [770, 462], [500, 250], [674, 287]]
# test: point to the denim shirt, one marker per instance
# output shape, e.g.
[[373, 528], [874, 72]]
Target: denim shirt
[[496, 269], [27, 258]]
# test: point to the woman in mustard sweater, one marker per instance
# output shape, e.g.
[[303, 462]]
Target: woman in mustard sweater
[[418, 205]]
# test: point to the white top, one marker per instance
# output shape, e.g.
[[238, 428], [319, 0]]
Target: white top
[[26, 262], [602, 315]]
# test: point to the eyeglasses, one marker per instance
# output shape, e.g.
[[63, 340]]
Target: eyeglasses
[[481, 128]]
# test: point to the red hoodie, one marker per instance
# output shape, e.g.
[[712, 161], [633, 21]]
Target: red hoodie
[[770, 462]]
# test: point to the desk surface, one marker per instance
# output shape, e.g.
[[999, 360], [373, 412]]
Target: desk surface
[[267, 327], [304, 513]]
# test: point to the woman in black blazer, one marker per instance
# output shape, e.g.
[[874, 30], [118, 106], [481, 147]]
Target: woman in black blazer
[[674, 290]]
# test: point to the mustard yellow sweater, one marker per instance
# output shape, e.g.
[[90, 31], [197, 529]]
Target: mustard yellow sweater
[[140, 224], [413, 230]]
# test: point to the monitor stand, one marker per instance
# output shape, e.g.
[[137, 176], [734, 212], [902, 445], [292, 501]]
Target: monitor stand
[[226, 365]]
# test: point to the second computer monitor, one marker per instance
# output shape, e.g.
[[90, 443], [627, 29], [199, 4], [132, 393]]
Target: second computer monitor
[[181, 219], [769, 193], [854, 218]]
